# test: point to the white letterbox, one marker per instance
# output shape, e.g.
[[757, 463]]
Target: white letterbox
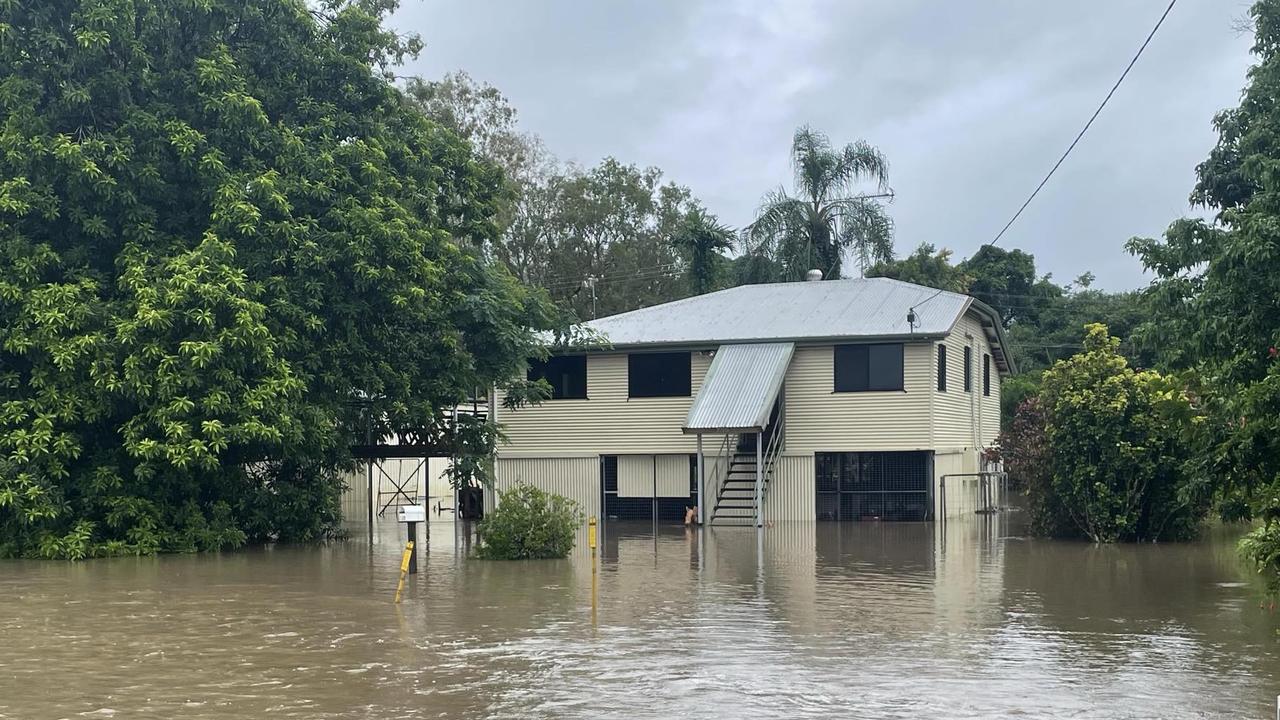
[[411, 513]]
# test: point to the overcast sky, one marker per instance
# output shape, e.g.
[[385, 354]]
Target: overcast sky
[[972, 101]]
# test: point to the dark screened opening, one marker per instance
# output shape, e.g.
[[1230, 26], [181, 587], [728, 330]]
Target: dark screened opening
[[942, 368], [968, 369], [567, 375], [873, 486], [986, 374], [658, 375], [862, 368]]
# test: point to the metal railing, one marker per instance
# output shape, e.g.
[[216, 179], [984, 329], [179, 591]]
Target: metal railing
[[716, 473], [771, 453], [991, 492]]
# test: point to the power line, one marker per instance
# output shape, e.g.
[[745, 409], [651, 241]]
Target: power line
[[1085, 129]]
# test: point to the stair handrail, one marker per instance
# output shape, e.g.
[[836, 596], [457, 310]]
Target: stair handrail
[[771, 453], [718, 471]]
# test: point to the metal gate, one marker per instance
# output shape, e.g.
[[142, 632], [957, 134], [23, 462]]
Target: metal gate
[[873, 486]]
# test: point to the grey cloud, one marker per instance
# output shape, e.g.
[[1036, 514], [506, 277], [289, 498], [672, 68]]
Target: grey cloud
[[971, 101]]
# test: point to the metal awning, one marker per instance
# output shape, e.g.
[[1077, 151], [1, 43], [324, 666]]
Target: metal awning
[[739, 389]]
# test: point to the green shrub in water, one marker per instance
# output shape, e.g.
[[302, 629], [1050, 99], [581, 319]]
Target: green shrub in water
[[528, 524]]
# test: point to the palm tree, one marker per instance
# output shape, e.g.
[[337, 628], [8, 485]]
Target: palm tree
[[701, 236], [814, 228]]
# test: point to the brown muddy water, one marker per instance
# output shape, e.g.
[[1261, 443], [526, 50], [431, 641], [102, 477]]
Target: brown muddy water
[[966, 620]]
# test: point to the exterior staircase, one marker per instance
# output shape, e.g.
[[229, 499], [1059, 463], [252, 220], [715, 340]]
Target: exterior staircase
[[735, 503]]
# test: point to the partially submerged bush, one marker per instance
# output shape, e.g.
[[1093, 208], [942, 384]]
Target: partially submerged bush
[[1114, 444], [529, 523]]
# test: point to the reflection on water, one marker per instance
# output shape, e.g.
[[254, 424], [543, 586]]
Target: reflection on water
[[966, 619]]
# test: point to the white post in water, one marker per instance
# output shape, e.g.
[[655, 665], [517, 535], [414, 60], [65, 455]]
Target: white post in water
[[759, 475], [702, 481]]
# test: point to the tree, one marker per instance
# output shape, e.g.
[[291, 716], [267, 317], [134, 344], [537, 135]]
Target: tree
[[480, 114], [231, 249], [701, 238], [926, 266], [1006, 280], [1216, 298], [612, 228], [815, 227], [1115, 441]]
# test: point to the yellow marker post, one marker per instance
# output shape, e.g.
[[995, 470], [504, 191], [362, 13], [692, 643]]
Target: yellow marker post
[[591, 542], [404, 568]]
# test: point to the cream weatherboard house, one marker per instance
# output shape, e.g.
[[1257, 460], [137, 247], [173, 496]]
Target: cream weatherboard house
[[817, 400]]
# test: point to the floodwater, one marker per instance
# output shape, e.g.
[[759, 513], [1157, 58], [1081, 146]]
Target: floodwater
[[964, 620]]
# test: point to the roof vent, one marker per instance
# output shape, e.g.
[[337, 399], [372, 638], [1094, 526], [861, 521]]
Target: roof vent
[[813, 275]]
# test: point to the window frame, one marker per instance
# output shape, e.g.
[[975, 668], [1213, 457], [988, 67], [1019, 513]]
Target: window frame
[[684, 390], [545, 365], [986, 374], [864, 366], [942, 367]]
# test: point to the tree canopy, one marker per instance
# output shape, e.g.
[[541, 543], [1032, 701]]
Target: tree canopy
[[826, 216], [231, 248], [1216, 299]]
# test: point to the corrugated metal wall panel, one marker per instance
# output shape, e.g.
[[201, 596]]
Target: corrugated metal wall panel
[[576, 478], [607, 422], [673, 475], [791, 490], [820, 420], [635, 476]]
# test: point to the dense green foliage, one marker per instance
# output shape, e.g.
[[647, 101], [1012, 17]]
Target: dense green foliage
[[1216, 301], [529, 524], [826, 217], [702, 239], [230, 249], [1108, 464]]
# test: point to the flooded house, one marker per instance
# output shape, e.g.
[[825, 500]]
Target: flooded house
[[820, 400]]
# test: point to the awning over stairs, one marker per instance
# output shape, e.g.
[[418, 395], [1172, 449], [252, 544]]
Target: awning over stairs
[[740, 388]]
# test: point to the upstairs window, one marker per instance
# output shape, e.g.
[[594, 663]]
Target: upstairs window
[[968, 369], [986, 374], [659, 375], [942, 368], [863, 368], [567, 375]]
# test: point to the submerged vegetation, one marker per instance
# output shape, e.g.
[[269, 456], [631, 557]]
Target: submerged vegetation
[[529, 524]]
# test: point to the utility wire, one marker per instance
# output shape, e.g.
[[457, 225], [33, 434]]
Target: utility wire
[[1085, 129]]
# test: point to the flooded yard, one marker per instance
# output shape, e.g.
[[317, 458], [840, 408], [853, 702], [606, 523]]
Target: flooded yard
[[963, 620]]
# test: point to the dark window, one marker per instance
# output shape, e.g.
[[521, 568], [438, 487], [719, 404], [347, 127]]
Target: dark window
[[658, 375], [968, 369], [986, 374], [859, 368], [567, 375], [942, 368]]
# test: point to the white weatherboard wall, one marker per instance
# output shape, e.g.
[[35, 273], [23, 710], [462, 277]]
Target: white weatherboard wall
[[821, 420], [607, 422]]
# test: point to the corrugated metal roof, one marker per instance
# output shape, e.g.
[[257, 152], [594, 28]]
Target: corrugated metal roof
[[870, 307], [740, 387]]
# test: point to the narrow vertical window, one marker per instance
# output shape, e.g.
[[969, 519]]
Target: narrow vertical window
[[942, 368], [986, 374], [968, 369]]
